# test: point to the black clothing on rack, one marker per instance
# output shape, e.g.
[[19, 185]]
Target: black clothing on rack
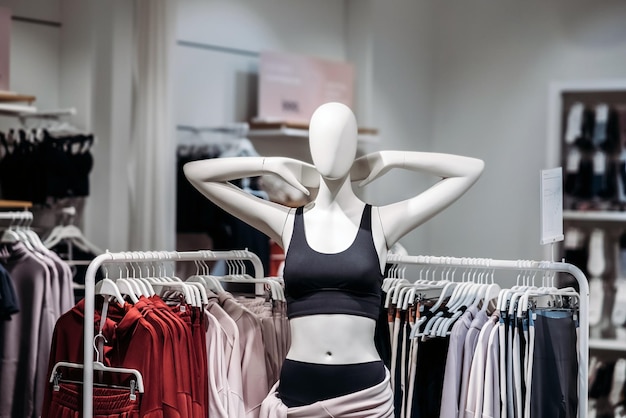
[[42, 167]]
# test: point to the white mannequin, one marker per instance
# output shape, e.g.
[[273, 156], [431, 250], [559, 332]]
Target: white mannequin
[[332, 219]]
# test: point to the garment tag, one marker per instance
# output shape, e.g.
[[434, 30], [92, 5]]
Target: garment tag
[[551, 205]]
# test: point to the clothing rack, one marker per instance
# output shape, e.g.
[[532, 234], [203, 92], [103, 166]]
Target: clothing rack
[[22, 216], [526, 265], [139, 257]]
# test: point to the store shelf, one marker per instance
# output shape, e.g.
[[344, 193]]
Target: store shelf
[[290, 139], [8, 97], [594, 216], [614, 346], [13, 104], [299, 130]]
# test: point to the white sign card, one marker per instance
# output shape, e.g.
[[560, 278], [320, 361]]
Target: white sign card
[[552, 205]]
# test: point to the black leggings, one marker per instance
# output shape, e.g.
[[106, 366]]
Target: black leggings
[[306, 383], [554, 390]]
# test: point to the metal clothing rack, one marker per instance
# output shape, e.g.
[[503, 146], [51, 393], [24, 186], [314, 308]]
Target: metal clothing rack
[[139, 257], [24, 216], [527, 265]]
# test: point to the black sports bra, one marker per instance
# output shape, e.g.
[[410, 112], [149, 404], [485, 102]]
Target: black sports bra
[[348, 282]]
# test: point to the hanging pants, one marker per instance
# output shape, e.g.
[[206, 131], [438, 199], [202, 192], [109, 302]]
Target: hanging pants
[[372, 402], [107, 403]]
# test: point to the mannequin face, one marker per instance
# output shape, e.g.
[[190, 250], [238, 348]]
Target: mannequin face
[[333, 139]]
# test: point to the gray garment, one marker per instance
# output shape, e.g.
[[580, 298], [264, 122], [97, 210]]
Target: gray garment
[[21, 337], [60, 299], [66, 293], [454, 365], [52, 296], [471, 339]]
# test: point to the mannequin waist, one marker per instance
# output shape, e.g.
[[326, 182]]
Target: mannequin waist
[[332, 339]]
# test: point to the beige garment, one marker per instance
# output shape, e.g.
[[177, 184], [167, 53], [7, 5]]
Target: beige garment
[[373, 402], [252, 350]]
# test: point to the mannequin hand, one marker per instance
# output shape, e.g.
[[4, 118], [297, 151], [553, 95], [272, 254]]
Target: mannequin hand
[[369, 167], [298, 174]]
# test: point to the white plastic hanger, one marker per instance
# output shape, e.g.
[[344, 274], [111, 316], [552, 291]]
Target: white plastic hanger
[[107, 287], [55, 376]]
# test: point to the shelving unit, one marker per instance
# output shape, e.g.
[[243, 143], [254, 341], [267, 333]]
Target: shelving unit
[[584, 200]]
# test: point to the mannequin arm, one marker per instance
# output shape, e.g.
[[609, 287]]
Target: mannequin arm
[[211, 177], [458, 174]]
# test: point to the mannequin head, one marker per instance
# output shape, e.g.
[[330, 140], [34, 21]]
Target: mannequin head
[[333, 139]]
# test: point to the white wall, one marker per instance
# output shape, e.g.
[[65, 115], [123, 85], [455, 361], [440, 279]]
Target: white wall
[[493, 63], [34, 66], [463, 77], [215, 80], [401, 96]]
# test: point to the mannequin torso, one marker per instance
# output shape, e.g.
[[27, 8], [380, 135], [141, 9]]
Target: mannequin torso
[[332, 220]]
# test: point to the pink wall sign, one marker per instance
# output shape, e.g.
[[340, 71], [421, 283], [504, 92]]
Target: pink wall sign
[[291, 87], [5, 46]]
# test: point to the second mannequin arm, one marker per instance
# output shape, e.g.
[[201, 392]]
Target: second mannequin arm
[[457, 173], [211, 177]]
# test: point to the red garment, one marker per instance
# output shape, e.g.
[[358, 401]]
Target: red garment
[[107, 403], [135, 346], [173, 405], [67, 343], [181, 344], [132, 342], [166, 345], [198, 333]]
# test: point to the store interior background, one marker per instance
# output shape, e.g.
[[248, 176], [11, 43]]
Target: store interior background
[[464, 77]]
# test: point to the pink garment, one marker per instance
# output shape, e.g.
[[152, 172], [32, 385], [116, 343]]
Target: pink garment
[[373, 402], [252, 350]]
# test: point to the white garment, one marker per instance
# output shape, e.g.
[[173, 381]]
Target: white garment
[[233, 388], [491, 395], [474, 406]]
